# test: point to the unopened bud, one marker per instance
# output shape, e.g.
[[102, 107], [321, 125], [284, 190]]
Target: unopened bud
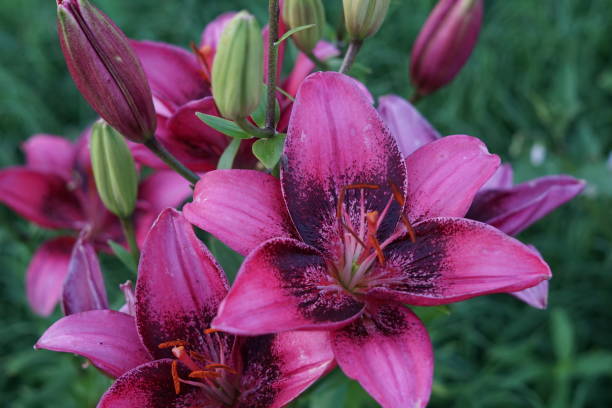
[[298, 13], [237, 72], [445, 43], [105, 69], [114, 170], [363, 18]]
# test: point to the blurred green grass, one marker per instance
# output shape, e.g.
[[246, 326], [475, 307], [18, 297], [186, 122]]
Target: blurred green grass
[[540, 76]]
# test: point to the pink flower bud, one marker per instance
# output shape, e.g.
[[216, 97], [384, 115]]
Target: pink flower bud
[[105, 69], [445, 43]]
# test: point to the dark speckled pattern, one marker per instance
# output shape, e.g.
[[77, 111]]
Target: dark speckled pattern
[[336, 139]]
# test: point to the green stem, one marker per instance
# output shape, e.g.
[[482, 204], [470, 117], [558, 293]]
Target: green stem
[[273, 13], [253, 130], [322, 65], [171, 161], [415, 97], [130, 235], [351, 54]]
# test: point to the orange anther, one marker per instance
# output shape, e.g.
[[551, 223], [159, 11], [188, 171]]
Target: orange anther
[[204, 374], [175, 378], [411, 232], [174, 343], [362, 186], [211, 331], [397, 195]]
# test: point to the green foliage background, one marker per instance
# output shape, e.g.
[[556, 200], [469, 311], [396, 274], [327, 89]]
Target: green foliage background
[[541, 76]]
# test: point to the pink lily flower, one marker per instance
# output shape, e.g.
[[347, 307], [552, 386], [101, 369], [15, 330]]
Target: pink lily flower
[[343, 241], [168, 356], [180, 82], [508, 207], [55, 189]]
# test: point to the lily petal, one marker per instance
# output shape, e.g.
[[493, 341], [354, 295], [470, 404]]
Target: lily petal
[[409, 128], [304, 65], [173, 73], [50, 154], [151, 386], [196, 144], [180, 285], [336, 139], [243, 208], [42, 198], [46, 273], [159, 191], [213, 30], [84, 286], [445, 175], [502, 178], [278, 368], [390, 354], [455, 259], [105, 337], [536, 296], [513, 210], [284, 285]]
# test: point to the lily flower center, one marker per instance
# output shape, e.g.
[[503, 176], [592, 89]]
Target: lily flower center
[[360, 246], [209, 369]]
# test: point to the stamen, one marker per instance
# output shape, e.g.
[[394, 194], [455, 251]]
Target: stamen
[[379, 252], [211, 331], [354, 234], [372, 219], [411, 232], [223, 366], [397, 194], [351, 187], [201, 374], [402, 201], [174, 343], [175, 377]]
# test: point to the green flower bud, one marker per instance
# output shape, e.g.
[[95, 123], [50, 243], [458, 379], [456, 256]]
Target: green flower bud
[[297, 13], [363, 18], [114, 170], [237, 71]]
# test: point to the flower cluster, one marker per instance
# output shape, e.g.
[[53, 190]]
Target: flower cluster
[[347, 214]]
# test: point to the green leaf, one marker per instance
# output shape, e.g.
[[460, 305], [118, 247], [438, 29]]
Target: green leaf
[[269, 151], [227, 127], [124, 256], [230, 261], [226, 161], [259, 116], [293, 31], [562, 335]]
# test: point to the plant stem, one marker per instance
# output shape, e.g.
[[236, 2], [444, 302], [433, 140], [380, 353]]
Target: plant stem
[[415, 97], [322, 65], [273, 13], [171, 161], [351, 54], [130, 235], [253, 130]]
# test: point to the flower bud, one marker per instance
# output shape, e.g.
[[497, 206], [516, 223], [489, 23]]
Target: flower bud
[[105, 69], [445, 43], [297, 13], [363, 18], [114, 170], [237, 72]]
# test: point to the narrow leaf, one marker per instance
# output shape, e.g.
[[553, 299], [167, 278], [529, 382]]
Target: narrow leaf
[[124, 256], [224, 126], [293, 31], [227, 158]]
